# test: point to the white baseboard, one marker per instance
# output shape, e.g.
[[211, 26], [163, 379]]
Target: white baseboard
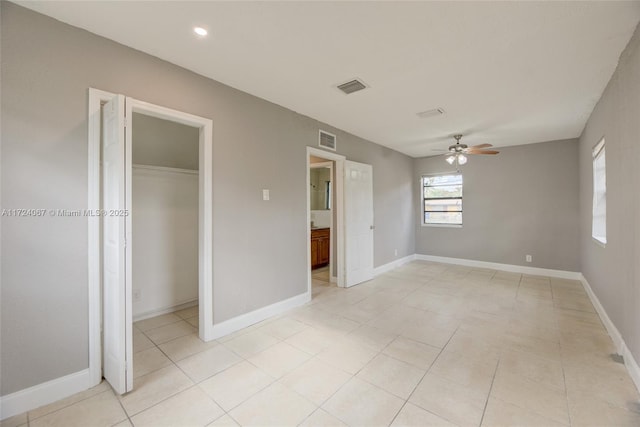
[[560, 274], [618, 341], [43, 394], [160, 311], [232, 325], [392, 265], [632, 366]]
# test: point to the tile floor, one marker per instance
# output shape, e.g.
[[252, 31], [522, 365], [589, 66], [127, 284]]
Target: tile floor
[[425, 344], [321, 275]]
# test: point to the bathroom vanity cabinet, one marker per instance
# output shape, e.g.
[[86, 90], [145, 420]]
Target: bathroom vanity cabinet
[[320, 241]]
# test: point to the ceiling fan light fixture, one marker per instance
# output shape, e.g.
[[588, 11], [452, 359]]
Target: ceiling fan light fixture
[[458, 152]]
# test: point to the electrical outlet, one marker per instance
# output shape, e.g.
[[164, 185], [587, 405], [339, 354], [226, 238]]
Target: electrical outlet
[[528, 258], [137, 295], [395, 252], [265, 194]]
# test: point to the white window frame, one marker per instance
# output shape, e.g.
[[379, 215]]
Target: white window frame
[[422, 199], [599, 211]]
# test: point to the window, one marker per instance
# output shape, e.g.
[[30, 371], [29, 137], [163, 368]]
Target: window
[[599, 225], [442, 199]]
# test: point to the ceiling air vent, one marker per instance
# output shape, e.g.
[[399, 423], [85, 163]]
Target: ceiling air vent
[[430, 113], [327, 140], [352, 86]]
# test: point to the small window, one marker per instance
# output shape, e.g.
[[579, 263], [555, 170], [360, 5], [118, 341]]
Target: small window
[[599, 225], [442, 199]]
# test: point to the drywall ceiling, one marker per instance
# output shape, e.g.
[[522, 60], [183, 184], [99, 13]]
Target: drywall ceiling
[[506, 73]]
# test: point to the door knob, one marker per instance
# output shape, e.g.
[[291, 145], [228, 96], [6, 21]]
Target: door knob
[[372, 227]]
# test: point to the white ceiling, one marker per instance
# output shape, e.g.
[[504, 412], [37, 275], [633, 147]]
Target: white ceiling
[[506, 73]]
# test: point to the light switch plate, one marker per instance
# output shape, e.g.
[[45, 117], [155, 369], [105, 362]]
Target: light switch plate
[[265, 194]]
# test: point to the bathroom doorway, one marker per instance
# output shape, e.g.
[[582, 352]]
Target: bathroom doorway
[[322, 213], [325, 237]]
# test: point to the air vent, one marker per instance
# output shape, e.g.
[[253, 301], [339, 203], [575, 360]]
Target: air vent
[[327, 140], [430, 113], [352, 86]]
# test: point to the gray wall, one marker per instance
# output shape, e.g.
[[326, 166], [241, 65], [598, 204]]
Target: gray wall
[[614, 271], [521, 201], [47, 67], [160, 142]]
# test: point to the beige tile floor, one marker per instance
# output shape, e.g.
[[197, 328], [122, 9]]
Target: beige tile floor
[[425, 344]]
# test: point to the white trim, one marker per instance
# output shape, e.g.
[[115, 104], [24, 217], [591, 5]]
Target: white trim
[[45, 393], [166, 169], [96, 98], [560, 274], [205, 208], [166, 310], [618, 341], [381, 269], [333, 279], [205, 287], [422, 198], [244, 320], [339, 226]]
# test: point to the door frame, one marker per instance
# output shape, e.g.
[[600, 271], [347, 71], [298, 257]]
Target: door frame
[[205, 214], [339, 225]]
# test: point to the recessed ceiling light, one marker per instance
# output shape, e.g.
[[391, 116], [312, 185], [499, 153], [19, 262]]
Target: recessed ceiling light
[[200, 31]]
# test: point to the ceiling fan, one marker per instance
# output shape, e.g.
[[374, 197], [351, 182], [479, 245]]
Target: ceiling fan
[[457, 152]]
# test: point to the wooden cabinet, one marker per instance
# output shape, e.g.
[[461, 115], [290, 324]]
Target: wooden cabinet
[[320, 244]]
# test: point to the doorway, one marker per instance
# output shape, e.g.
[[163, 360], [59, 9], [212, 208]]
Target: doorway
[[164, 216], [354, 222], [322, 210], [326, 220], [111, 236]]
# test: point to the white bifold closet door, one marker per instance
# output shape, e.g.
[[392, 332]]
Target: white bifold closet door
[[117, 326]]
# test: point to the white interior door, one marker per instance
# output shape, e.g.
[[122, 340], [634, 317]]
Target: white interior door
[[358, 210], [117, 326]]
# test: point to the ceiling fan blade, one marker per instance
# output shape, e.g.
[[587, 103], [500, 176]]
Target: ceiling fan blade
[[481, 146], [482, 152]]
